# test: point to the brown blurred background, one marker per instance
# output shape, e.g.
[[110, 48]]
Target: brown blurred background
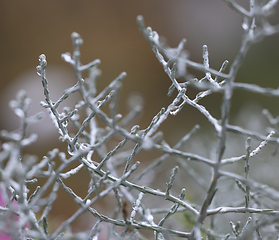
[[110, 33]]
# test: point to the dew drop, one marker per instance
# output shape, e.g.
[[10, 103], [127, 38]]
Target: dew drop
[[39, 70], [245, 24], [65, 123]]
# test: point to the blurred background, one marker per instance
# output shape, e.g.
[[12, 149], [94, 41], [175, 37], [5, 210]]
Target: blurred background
[[110, 33]]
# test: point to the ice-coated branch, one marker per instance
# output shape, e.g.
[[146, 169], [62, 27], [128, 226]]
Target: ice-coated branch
[[251, 154], [102, 146]]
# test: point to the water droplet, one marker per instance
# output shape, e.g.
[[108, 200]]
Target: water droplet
[[66, 57], [39, 70], [65, 123], [175, 110], [70, 151], [245, 25]]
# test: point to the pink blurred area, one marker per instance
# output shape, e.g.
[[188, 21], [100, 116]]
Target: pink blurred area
[[9, 220]]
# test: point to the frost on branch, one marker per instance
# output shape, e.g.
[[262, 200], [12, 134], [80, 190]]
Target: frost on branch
[[232, 203]]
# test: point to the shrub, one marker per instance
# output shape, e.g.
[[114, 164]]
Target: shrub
[[166, 213]]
